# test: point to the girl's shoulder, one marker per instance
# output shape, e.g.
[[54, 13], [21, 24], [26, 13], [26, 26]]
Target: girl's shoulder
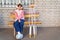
[[22, 11], [16, 10]]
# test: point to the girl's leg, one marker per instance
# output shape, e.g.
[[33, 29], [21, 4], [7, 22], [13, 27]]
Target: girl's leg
[[16, 26], [19, 28], [21, 24]]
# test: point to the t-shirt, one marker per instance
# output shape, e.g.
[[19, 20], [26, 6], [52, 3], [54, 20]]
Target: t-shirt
[[19, 14]]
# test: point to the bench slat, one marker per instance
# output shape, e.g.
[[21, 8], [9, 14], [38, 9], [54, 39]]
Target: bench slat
[[26, 16], [26, 23]]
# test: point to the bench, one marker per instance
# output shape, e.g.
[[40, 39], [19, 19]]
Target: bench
[[12, 16]]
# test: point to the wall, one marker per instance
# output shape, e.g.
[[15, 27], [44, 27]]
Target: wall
[[49, 12]]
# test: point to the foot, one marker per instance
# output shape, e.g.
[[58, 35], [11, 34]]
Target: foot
[[19, 36]]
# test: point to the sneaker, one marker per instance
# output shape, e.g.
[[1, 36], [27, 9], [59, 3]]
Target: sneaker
[[19, 36]]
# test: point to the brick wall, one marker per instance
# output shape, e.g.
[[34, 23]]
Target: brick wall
[[49, 12]]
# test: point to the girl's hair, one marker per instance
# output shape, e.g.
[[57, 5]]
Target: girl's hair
[[19, 5]]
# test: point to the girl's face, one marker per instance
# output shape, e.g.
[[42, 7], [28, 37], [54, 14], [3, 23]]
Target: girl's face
[[19, 7]]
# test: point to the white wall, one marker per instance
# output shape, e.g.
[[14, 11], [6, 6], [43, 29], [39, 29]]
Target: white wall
[[49, 12]]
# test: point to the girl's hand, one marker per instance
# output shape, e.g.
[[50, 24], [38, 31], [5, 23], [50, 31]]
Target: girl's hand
[[15, 20], [19, 20]]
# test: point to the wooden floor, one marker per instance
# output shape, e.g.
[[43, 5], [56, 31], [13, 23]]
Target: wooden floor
[[44, 33]]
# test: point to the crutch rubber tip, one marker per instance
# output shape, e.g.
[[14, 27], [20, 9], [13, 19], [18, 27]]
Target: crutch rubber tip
[[30, 36], [35, 35]]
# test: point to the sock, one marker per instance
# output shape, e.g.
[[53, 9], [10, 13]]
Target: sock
[[18, 32]]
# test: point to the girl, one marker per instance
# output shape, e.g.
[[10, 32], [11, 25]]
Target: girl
[[19, 20]]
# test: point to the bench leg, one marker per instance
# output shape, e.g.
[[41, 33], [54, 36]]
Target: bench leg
[[14, 32]]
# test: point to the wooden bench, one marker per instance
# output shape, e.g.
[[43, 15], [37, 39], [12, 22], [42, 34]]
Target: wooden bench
[[12, 16]]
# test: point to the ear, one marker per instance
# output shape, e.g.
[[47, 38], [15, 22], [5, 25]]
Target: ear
[[21, 7]]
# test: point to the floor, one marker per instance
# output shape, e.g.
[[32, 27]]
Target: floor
[[44, 33]]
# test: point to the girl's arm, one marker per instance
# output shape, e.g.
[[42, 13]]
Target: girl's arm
[[14, 14], [21, 16]]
